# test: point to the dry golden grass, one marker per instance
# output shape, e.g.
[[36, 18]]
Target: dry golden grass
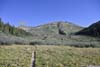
[[48, 56], [64, 56], [15, 56]]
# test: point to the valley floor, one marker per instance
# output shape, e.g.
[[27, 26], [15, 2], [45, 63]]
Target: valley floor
[[48, 56]]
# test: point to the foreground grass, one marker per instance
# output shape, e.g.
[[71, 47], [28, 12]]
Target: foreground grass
[[64, 56], [15, 56], [48, 56]]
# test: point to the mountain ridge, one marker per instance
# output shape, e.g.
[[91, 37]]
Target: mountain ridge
[[52, 25]]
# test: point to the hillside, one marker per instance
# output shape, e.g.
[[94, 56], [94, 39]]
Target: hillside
[[53, 28], [54, 33], [57, 33], [92, 30]]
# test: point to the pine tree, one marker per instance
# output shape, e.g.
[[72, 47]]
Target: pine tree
[[7, 28], [1, 25]]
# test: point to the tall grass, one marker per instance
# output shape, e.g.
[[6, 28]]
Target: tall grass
[[64, 56], [48, 56], [15, 56]]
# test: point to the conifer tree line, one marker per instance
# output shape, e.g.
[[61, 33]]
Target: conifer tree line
[[8, 29]]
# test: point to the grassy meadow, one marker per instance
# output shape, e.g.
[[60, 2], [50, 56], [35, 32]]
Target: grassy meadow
[[48, 56], [64, 56], [15, 56]]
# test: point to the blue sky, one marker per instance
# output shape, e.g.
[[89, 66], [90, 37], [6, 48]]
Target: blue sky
[[37, 12]]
